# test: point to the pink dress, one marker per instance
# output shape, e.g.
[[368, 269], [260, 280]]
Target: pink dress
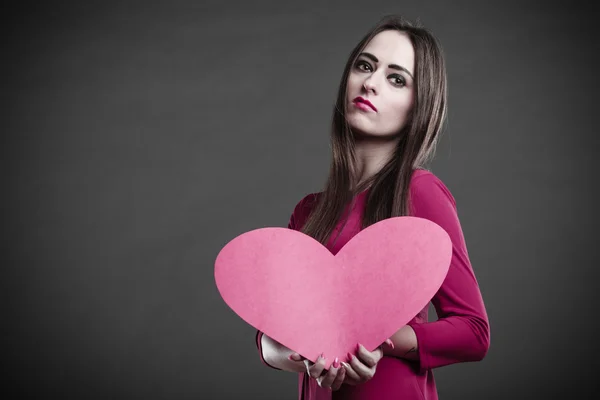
[[461, 332]]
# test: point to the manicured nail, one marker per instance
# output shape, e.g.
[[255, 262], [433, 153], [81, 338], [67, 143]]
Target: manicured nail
[[350, 356], [390, 343], [336, 363]]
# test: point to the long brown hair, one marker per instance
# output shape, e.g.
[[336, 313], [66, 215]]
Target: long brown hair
[[389, 188]]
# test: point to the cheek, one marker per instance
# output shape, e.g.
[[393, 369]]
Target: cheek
[[404, 103], [397, 113], [351, 87], [399, 109]]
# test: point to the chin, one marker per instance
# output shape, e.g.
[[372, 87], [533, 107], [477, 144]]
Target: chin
[[362, 129], [365, 133], [372, 134]]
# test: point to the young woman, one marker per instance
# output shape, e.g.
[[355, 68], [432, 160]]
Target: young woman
[[390, 109]]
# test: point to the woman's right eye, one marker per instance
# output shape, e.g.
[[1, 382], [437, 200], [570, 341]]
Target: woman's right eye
[[363, 65]]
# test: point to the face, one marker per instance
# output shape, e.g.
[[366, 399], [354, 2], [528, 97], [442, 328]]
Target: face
[[382, 75]]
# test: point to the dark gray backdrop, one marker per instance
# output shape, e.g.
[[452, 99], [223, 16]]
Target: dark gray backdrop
[[139, 138]]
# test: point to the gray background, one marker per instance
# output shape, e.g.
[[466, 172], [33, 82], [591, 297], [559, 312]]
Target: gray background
[[139, 138]]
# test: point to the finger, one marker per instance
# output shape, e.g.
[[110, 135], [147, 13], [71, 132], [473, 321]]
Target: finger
[[316, 369], [389, 344], [351, 373], [350, 381], [339, 379], [364, 372], [370, 359], [330, 376], [308, 364], [352, 378]]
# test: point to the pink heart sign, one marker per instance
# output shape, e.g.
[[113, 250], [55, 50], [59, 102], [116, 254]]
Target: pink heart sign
[[289, 286]]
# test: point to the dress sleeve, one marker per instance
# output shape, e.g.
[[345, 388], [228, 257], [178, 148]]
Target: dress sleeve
[[292, 224], [462, 331]]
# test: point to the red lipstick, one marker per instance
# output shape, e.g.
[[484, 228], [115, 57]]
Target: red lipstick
[[359, 100]]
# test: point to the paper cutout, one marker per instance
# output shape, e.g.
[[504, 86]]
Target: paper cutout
[[289, 286]]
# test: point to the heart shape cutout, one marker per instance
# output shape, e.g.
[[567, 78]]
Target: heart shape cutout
[[291, 287]]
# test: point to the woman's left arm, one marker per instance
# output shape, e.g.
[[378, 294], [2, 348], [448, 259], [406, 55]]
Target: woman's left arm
[[462, 331]]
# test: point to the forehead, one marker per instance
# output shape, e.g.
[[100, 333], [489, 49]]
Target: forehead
[[392, 47]]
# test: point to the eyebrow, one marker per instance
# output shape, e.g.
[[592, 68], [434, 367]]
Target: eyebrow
[[393, 66]]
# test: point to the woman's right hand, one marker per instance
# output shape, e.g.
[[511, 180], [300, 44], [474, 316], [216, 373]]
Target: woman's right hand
[[331, 379]]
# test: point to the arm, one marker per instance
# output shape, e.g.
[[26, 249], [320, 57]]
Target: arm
[[462, 331], [276, 355]]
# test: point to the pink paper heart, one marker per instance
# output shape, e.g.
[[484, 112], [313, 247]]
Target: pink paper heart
[[289, 286]]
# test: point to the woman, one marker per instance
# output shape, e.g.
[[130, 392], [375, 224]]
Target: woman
[[389, 112]]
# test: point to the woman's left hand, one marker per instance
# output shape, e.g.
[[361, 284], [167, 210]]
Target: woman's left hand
[[362, 368]]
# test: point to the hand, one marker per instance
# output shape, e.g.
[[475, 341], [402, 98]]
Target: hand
[[331, 379], [362, 368]]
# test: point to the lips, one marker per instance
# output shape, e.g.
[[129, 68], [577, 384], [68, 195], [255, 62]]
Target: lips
[[364, 101]]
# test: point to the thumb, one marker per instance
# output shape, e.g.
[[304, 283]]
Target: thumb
[[295, 357], [388, 343]]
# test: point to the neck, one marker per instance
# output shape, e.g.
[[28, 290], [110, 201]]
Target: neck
[[371, 155]]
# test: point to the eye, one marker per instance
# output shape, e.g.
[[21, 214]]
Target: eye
[[397, 80], [363, 65]]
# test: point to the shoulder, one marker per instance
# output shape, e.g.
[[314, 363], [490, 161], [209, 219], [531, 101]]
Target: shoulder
[[302, 210], [429, 194], [431, 199], [306, 203]]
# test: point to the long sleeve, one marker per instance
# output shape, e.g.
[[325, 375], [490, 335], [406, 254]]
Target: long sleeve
[[462, 331]]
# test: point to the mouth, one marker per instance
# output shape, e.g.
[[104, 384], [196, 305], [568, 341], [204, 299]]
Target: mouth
[[362, 102]]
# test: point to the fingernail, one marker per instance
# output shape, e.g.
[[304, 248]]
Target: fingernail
[[390, 343], [336, 363], [350, 356], [290, 357]]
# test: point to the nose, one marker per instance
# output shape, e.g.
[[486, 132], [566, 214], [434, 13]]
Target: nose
[[369, 86]]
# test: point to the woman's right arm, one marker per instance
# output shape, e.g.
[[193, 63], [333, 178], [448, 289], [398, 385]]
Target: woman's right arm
[[276, 355]]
